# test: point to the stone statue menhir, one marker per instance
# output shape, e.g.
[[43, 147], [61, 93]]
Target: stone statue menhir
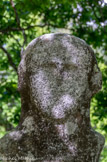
[[58, 75]]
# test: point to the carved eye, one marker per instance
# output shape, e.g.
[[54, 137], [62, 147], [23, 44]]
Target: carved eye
[[70, 67], [50, 65]]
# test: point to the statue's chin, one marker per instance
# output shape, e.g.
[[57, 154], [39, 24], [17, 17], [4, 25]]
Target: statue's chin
[[58, 115]]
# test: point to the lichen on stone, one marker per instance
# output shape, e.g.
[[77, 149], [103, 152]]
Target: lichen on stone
[[57, 77]]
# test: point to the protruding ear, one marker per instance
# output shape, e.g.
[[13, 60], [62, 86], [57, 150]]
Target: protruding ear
[[96, 80]]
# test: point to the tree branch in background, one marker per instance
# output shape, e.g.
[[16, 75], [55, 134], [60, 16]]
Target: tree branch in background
[[12, 36], [18, 22], [6, 30], [15, 11], [9, 58]]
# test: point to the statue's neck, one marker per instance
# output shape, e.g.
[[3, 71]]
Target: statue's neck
[[64, 129]]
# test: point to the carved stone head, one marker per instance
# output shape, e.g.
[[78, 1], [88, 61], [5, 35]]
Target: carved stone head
[[61, 74]]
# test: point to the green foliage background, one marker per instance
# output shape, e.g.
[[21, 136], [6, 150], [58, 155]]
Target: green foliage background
[[23, 20]]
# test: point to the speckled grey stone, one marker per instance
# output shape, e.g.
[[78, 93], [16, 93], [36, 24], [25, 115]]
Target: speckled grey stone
[[58, 75]]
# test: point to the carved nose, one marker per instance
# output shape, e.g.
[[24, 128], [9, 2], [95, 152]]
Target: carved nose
[[59, 81], [60, 76]]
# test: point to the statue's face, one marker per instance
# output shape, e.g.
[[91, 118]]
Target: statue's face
[[59, 75]]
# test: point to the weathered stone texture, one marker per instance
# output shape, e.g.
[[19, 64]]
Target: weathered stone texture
[[58, 75]]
